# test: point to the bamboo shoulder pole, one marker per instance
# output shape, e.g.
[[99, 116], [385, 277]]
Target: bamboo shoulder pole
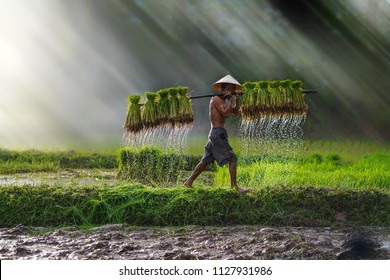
[[308, 91]]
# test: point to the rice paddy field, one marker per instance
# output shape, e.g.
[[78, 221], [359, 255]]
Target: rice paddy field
[[327, 183], [325, 190]]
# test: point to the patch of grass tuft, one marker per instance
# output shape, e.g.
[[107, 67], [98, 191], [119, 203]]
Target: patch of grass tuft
[[139, 205]]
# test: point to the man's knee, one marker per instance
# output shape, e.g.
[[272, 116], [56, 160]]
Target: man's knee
[[233, 159], [204, 163]]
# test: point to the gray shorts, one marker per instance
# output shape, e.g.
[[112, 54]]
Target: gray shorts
[[218, 148]]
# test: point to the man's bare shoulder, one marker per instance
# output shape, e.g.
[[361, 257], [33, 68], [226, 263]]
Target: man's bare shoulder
[[216, 100]]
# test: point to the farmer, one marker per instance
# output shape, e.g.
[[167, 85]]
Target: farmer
[[217, 147]]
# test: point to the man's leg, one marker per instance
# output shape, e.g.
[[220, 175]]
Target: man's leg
[[197, 171], [233, 177]]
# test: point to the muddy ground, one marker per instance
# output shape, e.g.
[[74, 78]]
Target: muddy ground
[[193, 242]]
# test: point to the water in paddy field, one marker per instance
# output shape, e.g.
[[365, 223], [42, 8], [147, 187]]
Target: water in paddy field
[[165, 137], [272, 134]]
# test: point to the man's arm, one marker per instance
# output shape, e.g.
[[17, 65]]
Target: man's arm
[[236, 109], [219, 106]]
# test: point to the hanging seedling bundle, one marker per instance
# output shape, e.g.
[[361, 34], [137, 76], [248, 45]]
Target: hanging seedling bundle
[[272, 98], [165, 120], [150, 112], [133, 121], [298, 98], [163, 107], [275, 97], [262, 101], [279, 112], [167, 115], [285, 97], [185, 108], [249, 100], [173, 106]]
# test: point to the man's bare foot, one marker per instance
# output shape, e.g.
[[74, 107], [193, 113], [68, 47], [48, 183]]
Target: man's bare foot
[[241, 190]]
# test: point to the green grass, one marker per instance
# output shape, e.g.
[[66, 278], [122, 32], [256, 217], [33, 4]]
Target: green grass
[[347, 149], [39, 161], [314, 188], [140, 205], [370, 172]]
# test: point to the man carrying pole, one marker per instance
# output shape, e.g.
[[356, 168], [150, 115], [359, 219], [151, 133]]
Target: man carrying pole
[[217, 147]]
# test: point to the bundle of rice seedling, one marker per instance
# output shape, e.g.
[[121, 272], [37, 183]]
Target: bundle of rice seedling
[[298, 99], [133, 121], [248, 100], [173, 105], [186, 115], [274, 96], [149, 112], [279, 111], [285, 105], [262, 101], [163, 107]]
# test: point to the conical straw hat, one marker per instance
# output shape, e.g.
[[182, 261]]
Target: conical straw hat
[[228, 79]]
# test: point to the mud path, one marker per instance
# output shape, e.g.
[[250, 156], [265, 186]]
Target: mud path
[[191, 242]]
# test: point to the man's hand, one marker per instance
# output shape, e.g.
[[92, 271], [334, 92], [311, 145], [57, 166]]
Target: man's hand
[[228, 95]]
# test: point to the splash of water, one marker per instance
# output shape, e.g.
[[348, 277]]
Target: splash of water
[[168, 137], [272, 134]]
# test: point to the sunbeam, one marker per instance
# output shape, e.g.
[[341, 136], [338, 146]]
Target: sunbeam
[[67, 67]]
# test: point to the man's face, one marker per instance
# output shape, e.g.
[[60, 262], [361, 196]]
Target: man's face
[[228, 88]]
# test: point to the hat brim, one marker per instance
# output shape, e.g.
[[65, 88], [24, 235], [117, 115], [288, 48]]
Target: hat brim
[[228, 79], [217, 86]]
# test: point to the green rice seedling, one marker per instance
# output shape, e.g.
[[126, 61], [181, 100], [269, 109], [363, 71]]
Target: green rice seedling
[[272, 98], [298, 97], [149, 112], [244, 101], [163, 107], [152, 166], [275, 96], [170, 166], [185, 109], [140, 166], [148, 160], [174, 105], [133, 122], [165, 167], [289, 94], [255, 106], [286, 97], [262, 101], [249, 100], [128, 165]]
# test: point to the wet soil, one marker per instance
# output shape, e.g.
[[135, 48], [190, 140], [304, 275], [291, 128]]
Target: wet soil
[[71, 177], [84, 177], [191, 242]]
